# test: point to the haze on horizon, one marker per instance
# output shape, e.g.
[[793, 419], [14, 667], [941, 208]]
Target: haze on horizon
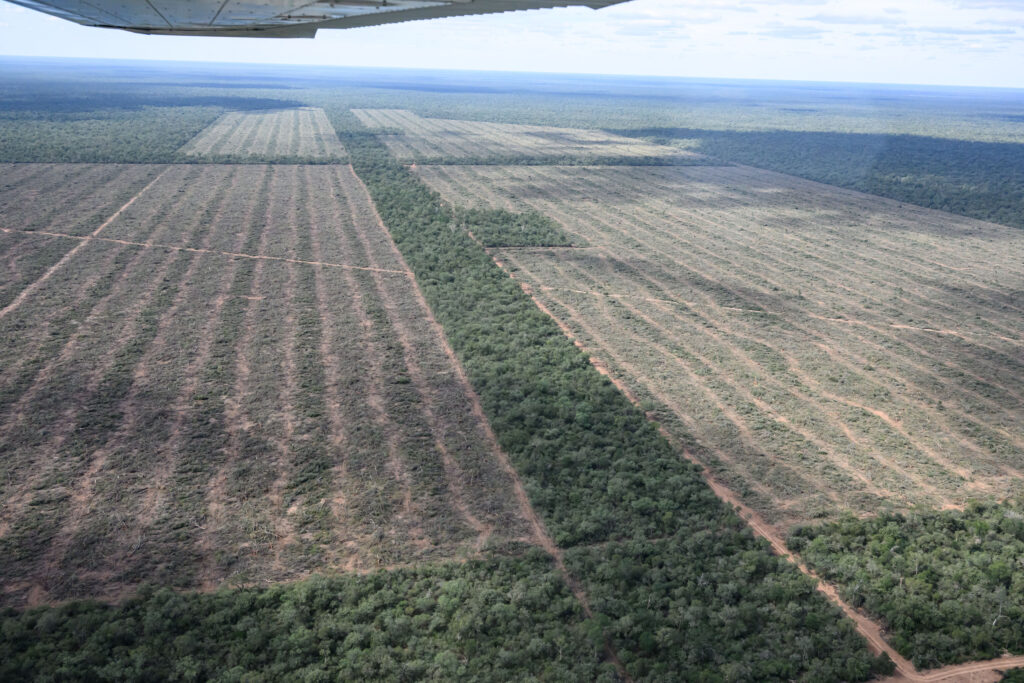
[[928, 42]]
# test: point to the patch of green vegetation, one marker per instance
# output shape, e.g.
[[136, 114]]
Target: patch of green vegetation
[[949, 585], [501, 228], [500, 619], [111, 134], [637, 521]]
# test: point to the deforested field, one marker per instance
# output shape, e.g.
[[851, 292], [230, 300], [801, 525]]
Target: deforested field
[[300, 133], [67, 198], [820, 349], [226, 381], [414, 138]]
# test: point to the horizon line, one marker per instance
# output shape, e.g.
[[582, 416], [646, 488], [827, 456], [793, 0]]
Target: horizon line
[[713, 79]]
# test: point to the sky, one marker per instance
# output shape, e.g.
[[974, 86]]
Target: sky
[[932, 42]]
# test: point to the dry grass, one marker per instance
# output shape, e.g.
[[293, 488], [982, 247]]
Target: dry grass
[[824, 350]]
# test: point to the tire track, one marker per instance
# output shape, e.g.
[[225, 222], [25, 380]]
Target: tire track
[[199, 250]]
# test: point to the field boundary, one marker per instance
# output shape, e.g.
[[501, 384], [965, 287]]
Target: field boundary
[[539, 530]]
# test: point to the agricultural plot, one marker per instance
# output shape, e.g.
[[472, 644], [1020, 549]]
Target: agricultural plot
[[413, 138], [67, 198], [283, 134], [820, 349], [233, 382], [25, 259]]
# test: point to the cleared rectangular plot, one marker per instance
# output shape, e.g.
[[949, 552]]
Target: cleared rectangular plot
[[414, 138], [822, 350], [303, 133], [211, 206], [67, 198], [198, 416], [25, 257]]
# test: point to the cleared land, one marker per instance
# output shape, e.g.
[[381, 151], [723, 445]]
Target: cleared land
[[68, 198], [415, 138], [264, 396], [302, 133], [820, 349]]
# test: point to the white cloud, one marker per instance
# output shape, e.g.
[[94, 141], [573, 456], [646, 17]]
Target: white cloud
[[1011, 5], [923, 41], [854, 20]]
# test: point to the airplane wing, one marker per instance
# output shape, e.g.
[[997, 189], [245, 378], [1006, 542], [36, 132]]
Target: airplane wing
[[272, 18]]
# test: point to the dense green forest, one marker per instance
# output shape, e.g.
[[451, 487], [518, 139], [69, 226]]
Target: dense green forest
[[110, 134], [501, 228], [1014, 676], [508, 618], [949, 585]]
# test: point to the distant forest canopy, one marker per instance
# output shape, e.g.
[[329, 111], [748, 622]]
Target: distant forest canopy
[[982, 180]]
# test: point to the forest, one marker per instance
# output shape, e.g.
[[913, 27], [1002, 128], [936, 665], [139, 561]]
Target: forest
[[502, 619], [501, 228], [949, 585]]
